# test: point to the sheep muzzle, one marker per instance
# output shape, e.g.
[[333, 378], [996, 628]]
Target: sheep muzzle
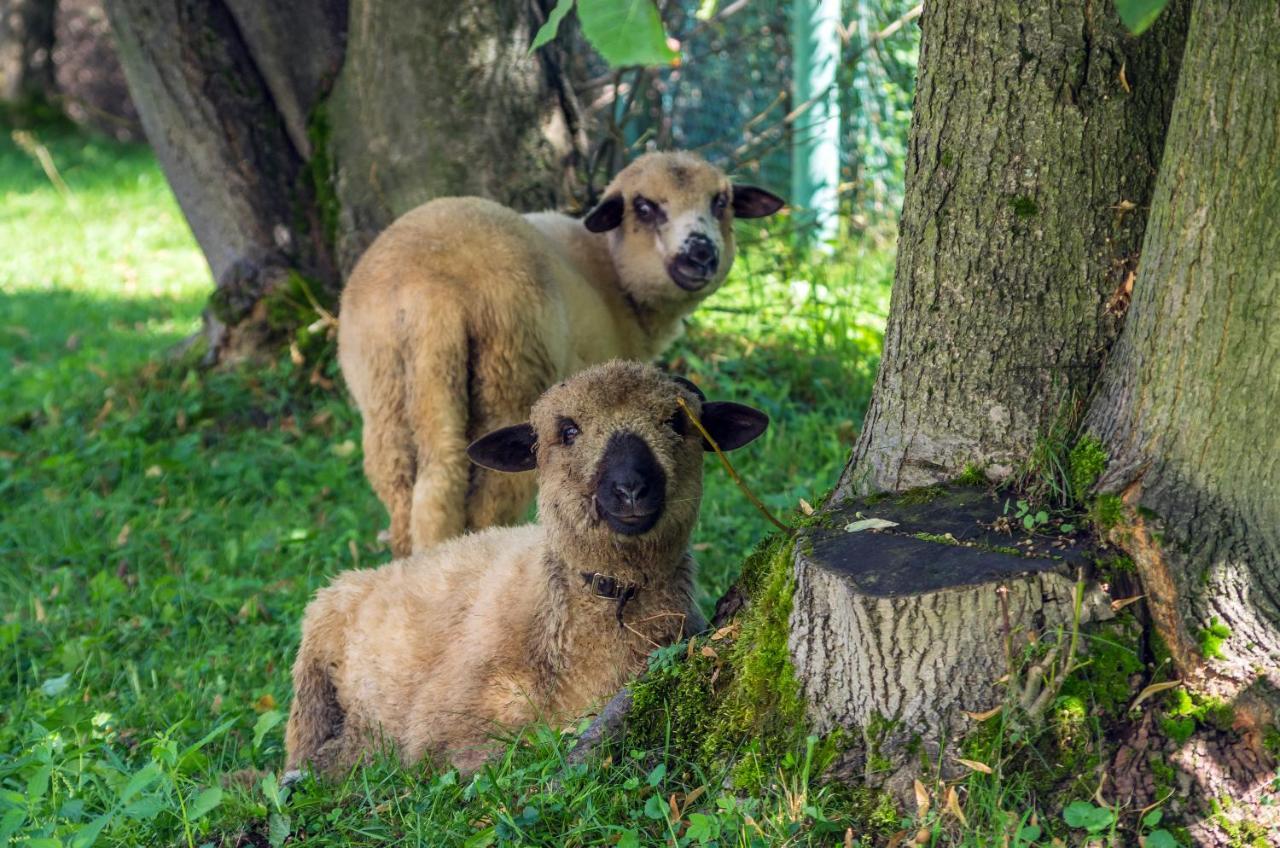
[[631, 486]]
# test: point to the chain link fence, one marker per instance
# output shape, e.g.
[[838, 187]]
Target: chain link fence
[[732, 98]]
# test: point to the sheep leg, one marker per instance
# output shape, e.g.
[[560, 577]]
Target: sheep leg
[[438, 376], [315, 716]]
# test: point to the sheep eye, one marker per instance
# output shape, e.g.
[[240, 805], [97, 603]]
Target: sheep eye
[[719, 203], [676, 423], [568, 431], [646, 209]]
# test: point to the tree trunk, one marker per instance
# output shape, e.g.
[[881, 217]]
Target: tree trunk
[[442, 98], [213, 117], [1035, 137], [290, 143], [898, 632], [1188, 403], [26, 50]]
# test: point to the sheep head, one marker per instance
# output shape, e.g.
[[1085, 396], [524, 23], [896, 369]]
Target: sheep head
[[670, 222], [619, 463]]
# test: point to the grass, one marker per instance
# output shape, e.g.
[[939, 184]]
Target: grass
[[162, 531]]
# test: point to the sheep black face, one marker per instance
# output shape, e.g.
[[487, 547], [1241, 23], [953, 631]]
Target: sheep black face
[[618, 460], [670, 216]]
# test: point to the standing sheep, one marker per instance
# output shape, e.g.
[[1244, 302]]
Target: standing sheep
[[437, 652], [464, 311]]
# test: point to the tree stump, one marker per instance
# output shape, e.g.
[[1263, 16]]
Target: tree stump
[[896, 633]]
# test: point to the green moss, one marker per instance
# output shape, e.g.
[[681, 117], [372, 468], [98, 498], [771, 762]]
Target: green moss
[[1212, 638], [947, 158], [1163, 775], [1178, 728], [753, 715], [1242, 834], [972, 475], [1106, 511], [1114, 657], [941, 539], [1204, 710], [1024, 207], [922, 495], [319, 172], [1085, 464]]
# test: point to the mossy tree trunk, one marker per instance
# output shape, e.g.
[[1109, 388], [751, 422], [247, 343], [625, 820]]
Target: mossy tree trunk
[[1035, 138], [26, 51], [293, 132], [1189, 401]]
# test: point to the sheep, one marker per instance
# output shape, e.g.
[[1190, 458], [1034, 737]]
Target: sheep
[[438, 652], [463, 311]]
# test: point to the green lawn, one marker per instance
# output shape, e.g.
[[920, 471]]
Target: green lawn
[[162, 531]]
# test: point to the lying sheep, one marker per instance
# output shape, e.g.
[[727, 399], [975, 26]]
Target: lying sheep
[[464, 311], [438, 652]]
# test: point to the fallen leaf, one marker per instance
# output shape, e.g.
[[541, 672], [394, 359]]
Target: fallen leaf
[[896, 839], [40, 616], [922, 799], [923, 835], [154, 471], [726, 631], [983, 716], [264, 703], [869, 524], [953, 806], [295, 355], [806, 507], [122, 538], [1124, 82], [975, 765], [1154, 689], [1121, 603], [344, 448], [708, 651], [216, 706]]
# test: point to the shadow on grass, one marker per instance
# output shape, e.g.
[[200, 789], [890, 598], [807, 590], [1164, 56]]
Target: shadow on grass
[[60, 346]]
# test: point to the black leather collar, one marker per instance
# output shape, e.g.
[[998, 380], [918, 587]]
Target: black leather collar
[[611, 589]]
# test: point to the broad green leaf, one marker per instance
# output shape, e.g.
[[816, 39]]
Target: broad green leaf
[[144, 809], [278, 829], [548, 31], [481, 838], [656, 808], [141, 779], [702, 827], [204, 802], [42, 842], [10, 823], [659, 772], [88, 834], [1153, 818], [1088, 816], [626, 32], [1138, 15], [1161, 839], [38, 784], [263, 726], [629, 839]]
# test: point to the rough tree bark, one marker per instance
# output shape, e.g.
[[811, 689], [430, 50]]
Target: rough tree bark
[[290, 142], [443, 98], [1035, 138], [26, 50], [1189, 400], [218, 121]]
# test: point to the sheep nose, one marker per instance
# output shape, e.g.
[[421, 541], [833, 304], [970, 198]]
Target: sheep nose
[[701, 251], [630, 491]]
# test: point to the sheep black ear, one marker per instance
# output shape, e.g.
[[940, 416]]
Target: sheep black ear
[[732, 425], [690, 385], [606, 216], [754, 202], [508, 449]]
